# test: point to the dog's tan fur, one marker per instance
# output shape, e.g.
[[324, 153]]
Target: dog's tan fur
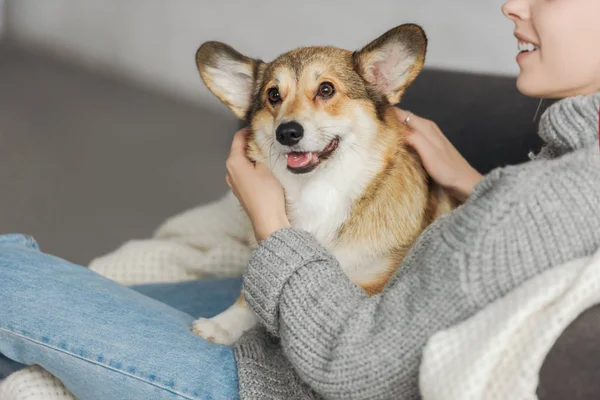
[[397, 206], [399, 200]]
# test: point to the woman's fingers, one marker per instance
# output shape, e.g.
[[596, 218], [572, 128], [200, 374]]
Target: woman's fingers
[[408, 118], [418, 141], [416, 123], [418, 138], [402, 115], [238, 144], [238, 147]]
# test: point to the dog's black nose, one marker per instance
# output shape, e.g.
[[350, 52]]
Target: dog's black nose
[[289, 133]]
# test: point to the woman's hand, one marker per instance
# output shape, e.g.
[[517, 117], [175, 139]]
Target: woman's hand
[[440, 158], [257, 189]]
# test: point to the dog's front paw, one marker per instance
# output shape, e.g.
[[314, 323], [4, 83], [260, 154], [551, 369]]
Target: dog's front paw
[[210, 330]]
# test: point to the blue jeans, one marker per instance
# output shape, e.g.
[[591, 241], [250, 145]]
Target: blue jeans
[[107, 341]]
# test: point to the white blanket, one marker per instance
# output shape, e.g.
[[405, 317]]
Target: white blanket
[[498, 353], [210, 240]]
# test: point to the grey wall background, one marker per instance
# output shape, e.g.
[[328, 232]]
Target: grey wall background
[[152, 42], [2, 25]]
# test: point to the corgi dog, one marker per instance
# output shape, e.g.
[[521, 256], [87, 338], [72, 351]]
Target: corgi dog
[[322, 119]]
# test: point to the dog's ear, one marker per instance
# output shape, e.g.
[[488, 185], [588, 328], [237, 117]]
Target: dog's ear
[[228, 74], [392, 61]]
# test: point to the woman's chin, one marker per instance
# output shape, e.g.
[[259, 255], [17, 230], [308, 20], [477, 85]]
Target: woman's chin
[[527, 87], [531, 87]]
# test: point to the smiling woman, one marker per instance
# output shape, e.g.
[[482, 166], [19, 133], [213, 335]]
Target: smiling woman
[[558, 54]]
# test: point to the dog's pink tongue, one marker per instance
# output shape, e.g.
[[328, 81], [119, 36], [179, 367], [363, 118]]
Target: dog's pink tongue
[[299, 160]]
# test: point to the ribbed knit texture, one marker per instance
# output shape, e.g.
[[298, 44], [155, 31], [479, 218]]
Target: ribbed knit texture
[[519, 221]]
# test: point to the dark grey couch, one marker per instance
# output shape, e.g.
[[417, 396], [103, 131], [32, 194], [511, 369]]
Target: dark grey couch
[[87, 163]]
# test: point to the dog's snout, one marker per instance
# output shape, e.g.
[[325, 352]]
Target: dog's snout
[[289, 133]]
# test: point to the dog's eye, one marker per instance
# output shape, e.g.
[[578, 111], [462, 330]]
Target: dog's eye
[[326, 90], [273, 95]]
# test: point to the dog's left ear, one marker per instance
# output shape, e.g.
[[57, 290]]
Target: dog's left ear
[[392, 61]]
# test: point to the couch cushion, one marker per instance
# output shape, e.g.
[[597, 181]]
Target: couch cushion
[[572, 367]]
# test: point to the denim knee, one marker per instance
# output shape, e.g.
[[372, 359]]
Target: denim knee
[[18, 240]]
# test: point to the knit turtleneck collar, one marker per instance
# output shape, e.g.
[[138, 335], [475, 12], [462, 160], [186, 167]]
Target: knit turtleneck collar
[[568, 125]]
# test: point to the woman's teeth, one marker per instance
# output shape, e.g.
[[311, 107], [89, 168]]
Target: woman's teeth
[[524, 46]]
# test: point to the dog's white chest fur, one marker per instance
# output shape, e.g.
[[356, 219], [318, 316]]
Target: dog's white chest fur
[[320, 204], [319, 208]]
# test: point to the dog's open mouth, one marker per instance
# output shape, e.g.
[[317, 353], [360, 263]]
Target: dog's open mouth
[[302, 163]]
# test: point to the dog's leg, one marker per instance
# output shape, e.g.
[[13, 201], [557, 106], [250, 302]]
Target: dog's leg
[[227, 327]]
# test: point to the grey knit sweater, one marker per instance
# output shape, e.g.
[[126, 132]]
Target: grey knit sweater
[[322, 337]]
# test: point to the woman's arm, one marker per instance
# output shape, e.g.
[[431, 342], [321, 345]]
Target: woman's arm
[[341, 342]]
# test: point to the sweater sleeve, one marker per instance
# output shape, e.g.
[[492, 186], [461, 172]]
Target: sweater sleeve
[[341, 342], [534, 230]]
